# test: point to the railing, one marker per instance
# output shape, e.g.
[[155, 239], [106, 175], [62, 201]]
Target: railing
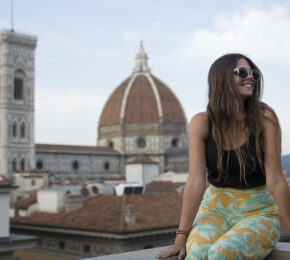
[[281, 252]]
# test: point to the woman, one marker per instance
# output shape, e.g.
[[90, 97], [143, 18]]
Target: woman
[[238, 140]]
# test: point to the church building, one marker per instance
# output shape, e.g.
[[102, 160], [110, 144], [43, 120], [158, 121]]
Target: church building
[[141, 117]]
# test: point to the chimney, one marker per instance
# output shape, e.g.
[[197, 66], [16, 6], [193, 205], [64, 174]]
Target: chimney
[[130, 214], [73, 202]]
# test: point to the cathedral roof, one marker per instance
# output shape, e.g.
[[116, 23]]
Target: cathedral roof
[[142, 98], [142, 159], [54, 147]]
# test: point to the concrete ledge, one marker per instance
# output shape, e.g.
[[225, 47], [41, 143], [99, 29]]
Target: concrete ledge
[[133, 255], [281, 252]]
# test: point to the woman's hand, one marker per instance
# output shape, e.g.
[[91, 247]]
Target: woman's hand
[[177, 249], [171, 251]]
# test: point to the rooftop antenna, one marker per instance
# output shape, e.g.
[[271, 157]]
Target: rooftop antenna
[[12, 13]]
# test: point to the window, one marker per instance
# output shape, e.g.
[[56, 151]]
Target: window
[[22, 130], [14, 129], [61, 244], [14, 165], [33, 182], [39, 165], [86, 248], [75, 165], [23, 164], [18, 88], [174, 142], [141, 143], [111, 144], [106, 165], [18, 85]]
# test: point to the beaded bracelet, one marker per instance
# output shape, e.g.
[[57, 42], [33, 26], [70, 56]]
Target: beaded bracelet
[[178, 231]]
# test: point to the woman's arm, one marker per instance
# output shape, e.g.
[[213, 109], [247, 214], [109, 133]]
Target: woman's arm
[[195, 185], [275, 178]]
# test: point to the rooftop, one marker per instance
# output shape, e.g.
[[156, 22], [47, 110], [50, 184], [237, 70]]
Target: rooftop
[[142, 159], [25, 203], [74, 147], [164, 186], [106, 213]]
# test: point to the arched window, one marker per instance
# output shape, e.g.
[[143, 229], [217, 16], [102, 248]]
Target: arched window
[[18, 85], [75, 165], [141, 143], [106, 165], [23, 164], [14, 129], [14, 165], [39, 165], [22, 130], [174, 142]]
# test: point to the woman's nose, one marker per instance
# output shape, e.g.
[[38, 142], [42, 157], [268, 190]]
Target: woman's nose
[[250, 75]]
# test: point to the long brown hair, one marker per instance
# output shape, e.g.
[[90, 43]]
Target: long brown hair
[[231, 115]]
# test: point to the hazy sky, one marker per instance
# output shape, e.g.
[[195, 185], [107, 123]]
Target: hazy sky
[[87, 47]]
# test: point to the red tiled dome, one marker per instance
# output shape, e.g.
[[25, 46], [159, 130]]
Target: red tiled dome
[[142, 98]]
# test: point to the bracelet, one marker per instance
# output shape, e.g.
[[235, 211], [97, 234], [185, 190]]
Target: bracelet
[[178, 231]]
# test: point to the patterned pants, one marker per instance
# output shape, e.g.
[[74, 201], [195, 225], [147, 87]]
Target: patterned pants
[[234, 224]]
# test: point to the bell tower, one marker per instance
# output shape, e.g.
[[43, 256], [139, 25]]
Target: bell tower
[[16, 102]]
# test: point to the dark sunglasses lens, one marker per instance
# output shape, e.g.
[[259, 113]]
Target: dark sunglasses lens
[[256, 74], [243, 73]]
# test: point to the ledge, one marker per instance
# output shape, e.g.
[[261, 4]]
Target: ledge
[[17, 242], [281, 252]]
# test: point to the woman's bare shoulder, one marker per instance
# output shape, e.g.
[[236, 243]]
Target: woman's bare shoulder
[[269, 115], [199, 124]]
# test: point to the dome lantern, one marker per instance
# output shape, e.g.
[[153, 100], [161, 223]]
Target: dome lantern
[[141, 61]]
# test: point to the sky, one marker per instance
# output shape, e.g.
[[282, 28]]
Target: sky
[[86, 48]]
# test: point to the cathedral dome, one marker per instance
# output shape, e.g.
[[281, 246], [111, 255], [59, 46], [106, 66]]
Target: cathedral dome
[[142, 98]]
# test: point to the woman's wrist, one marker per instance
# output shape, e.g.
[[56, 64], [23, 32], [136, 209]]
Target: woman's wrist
[[180, 239], [182, 232]]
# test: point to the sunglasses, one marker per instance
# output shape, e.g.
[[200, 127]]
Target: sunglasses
[[244, 73]]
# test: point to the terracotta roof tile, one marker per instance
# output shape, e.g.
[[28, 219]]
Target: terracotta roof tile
[[141, 104], [172, 110], [4, 182], [42, 172], [74, 147], [167, 186], [116, 178], [111, 111], [25, 203], [142, 159], [104, 213]]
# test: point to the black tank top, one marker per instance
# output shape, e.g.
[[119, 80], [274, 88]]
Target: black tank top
[[254, 177]]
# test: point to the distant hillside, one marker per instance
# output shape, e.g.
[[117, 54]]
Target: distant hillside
[[286, 164]]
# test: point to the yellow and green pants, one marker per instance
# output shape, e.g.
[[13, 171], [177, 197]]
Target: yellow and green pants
[[234, 224]]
